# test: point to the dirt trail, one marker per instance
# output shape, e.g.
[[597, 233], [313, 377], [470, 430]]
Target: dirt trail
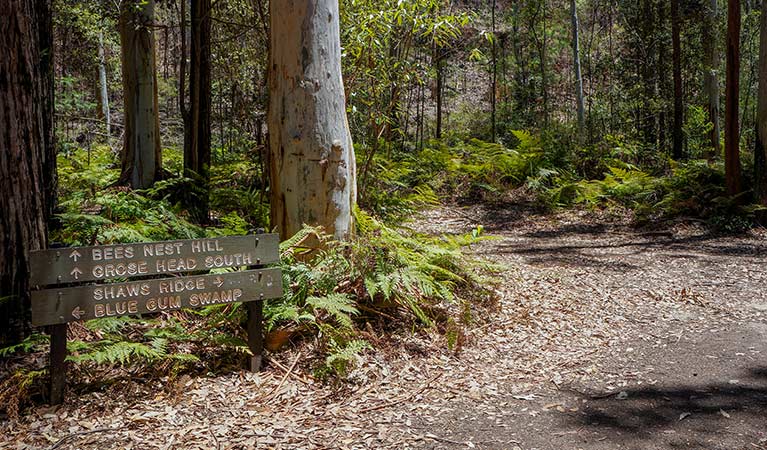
[[681, 327], [605, 337]]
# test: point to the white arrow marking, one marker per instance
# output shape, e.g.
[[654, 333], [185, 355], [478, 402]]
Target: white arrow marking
[[74, 255], [218, 281], [77, 312], [75, 272]]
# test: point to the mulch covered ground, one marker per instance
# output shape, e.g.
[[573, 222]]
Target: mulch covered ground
[[605, 337]]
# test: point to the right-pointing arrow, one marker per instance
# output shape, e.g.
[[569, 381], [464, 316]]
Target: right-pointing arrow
[[218, 281]]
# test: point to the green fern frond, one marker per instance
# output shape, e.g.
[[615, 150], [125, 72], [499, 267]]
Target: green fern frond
[[339, 306], [121, 352], [342, 358], [27, 345]]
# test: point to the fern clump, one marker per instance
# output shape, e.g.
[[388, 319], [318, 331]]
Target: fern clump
[[405, 182], [382, 276], [694, 188]]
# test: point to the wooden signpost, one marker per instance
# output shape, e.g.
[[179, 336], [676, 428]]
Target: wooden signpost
[[154, 285]]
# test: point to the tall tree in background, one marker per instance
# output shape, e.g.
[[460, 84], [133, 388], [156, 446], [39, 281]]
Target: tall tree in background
[[710, 74], [141, 157], [493, 83], [662, 89], [196, 116], [731, 132], [26, 147], [648, 49], [543, 60], [577, 69], [311, 158], [760, 149], [676, 49], [439, 62], [103, 97]]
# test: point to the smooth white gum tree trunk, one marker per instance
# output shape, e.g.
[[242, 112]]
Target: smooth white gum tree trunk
[[311, 158]]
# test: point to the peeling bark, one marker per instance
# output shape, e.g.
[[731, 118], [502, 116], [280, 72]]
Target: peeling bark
[[312, 167]]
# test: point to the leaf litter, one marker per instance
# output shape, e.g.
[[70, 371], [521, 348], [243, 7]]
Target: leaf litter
[[568, 313]]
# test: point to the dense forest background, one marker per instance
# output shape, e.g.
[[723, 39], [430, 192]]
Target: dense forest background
[[653, 109], [628, 95]]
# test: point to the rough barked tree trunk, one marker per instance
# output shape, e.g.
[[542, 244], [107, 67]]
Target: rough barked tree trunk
[[710, 75], [577, 70], [731, 132], [676, 49], [544, 78], [647, 116], [197, 116], [44, 21], [760, 150], [312, 165], [663, 89], [141, 157], [26, 149]]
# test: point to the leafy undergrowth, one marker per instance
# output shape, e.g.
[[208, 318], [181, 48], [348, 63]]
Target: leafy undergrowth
[[463, 170], [603, 175], [385, 279], [692, 189]]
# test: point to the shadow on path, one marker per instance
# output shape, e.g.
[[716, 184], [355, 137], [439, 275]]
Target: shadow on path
[[706, 409]]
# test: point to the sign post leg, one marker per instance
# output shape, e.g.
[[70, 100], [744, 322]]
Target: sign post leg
[[256, 333], [57, 364]]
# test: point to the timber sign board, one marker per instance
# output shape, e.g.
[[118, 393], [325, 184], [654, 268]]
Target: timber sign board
[[104, 262], [139, 278], [63, 305]]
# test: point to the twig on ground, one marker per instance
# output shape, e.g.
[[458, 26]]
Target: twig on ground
[[282, 382], [434, 437], [404, 398], [215, 439], [61, 441], [285, 369], [376, 312]]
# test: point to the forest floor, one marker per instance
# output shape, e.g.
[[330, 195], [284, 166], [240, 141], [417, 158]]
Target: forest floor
[[604, 337]]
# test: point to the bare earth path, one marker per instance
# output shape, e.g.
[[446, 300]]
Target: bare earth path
[[605, 337]]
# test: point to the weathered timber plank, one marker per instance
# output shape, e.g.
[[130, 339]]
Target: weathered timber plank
[[256, 335], [58, 364], [53, 306], [105, 262]]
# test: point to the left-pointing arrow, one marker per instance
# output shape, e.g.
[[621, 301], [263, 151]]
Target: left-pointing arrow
[[74, 255], [77, 312], [76, 272]]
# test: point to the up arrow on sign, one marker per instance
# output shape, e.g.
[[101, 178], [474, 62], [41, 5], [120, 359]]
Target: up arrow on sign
[[76, 272], [74, 255]]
